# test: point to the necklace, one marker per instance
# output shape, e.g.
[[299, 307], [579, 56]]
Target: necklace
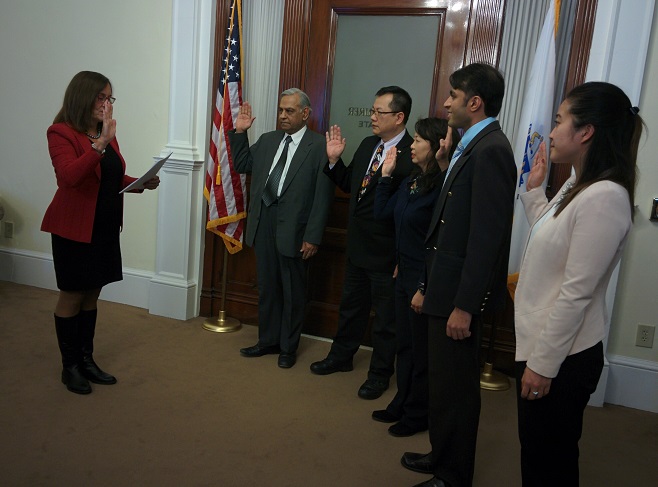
[[97, 136], [565, 191]]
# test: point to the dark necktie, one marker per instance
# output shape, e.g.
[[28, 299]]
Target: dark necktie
[[272, 185], [376, 161]]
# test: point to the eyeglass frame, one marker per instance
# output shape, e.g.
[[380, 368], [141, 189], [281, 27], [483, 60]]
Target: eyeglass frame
[[101, 98], [379, 113]]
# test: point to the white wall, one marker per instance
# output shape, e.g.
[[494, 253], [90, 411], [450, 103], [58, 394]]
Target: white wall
[[42, 45], [637, 293], [634, 380]]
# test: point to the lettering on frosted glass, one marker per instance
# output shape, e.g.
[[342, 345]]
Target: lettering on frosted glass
[[360, 112]]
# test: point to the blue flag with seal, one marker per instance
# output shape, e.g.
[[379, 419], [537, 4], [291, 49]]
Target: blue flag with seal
[[534, 125]]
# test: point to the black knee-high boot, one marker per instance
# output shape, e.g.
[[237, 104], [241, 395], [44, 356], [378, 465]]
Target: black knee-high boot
[[69, 346], [86, 332]]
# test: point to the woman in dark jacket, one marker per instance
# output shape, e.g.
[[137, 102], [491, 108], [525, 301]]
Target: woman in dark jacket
[[411, 208]]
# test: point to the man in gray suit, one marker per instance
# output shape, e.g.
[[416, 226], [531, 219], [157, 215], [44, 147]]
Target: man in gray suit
[[289, 203]]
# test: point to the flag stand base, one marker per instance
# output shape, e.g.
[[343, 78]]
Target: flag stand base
[[222, 324], [492, 380]]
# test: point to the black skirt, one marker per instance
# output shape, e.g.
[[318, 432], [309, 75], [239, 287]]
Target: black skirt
[[81, 266]]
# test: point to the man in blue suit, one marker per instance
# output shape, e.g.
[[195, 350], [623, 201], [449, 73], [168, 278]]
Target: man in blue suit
[[289, 203]]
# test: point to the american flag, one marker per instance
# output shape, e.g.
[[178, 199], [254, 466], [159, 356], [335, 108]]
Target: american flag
[[225, 189]]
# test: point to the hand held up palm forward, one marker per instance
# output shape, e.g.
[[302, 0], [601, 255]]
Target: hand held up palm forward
[[388, 165], [537, 174], [244, 120], [335, 144]]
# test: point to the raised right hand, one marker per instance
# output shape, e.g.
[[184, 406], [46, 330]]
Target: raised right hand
[[388, 166], [335, 144], [244, 120], [442, 155], [538, 171], [109, 130]]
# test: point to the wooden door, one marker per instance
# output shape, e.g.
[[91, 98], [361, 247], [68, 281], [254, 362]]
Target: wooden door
[[467, 32]]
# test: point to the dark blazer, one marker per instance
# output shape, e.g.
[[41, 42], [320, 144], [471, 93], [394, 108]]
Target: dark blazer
[[306, 195], [370, 242], [78, 172], [469, 235], [412, 214]]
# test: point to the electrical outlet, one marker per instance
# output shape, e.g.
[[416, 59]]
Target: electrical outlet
[[9, 229], [644, 337]]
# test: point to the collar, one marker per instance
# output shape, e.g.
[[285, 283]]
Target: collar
[[296, 137], [472, 132], [394, 141]]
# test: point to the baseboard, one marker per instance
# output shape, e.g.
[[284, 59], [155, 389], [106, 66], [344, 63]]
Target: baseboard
[[36, 269], [632, 383], [28, 268]]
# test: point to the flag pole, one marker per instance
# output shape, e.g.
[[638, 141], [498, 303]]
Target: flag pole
[[223, 323], [224, 188], [490, 379]]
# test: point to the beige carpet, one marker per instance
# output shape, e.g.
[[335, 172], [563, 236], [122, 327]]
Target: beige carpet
[[189, 411]]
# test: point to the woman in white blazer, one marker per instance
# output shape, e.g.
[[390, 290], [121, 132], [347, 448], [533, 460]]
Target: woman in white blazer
[[575, 242]]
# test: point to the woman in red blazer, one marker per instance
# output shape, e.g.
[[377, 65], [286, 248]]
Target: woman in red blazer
[[85, 219]]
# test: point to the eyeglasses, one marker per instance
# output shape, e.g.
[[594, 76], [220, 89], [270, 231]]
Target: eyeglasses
[[101, 98], [378, 113]]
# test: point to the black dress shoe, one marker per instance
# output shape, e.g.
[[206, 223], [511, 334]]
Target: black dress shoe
[[329, 366], [383, 416], [433, 482], [401, 429], [287, 360], [372, 388], [258, 351], [417, 462]]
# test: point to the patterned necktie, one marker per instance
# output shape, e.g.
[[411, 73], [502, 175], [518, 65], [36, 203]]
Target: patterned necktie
[[374, 165], [272, 184]]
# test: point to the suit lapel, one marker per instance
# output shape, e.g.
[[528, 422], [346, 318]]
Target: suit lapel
[[269, 157], [85, 145], [454, 172]]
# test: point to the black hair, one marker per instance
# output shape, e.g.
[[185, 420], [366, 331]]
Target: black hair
[[433, 130], [401, 101], [612, 152], [483, 80]]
